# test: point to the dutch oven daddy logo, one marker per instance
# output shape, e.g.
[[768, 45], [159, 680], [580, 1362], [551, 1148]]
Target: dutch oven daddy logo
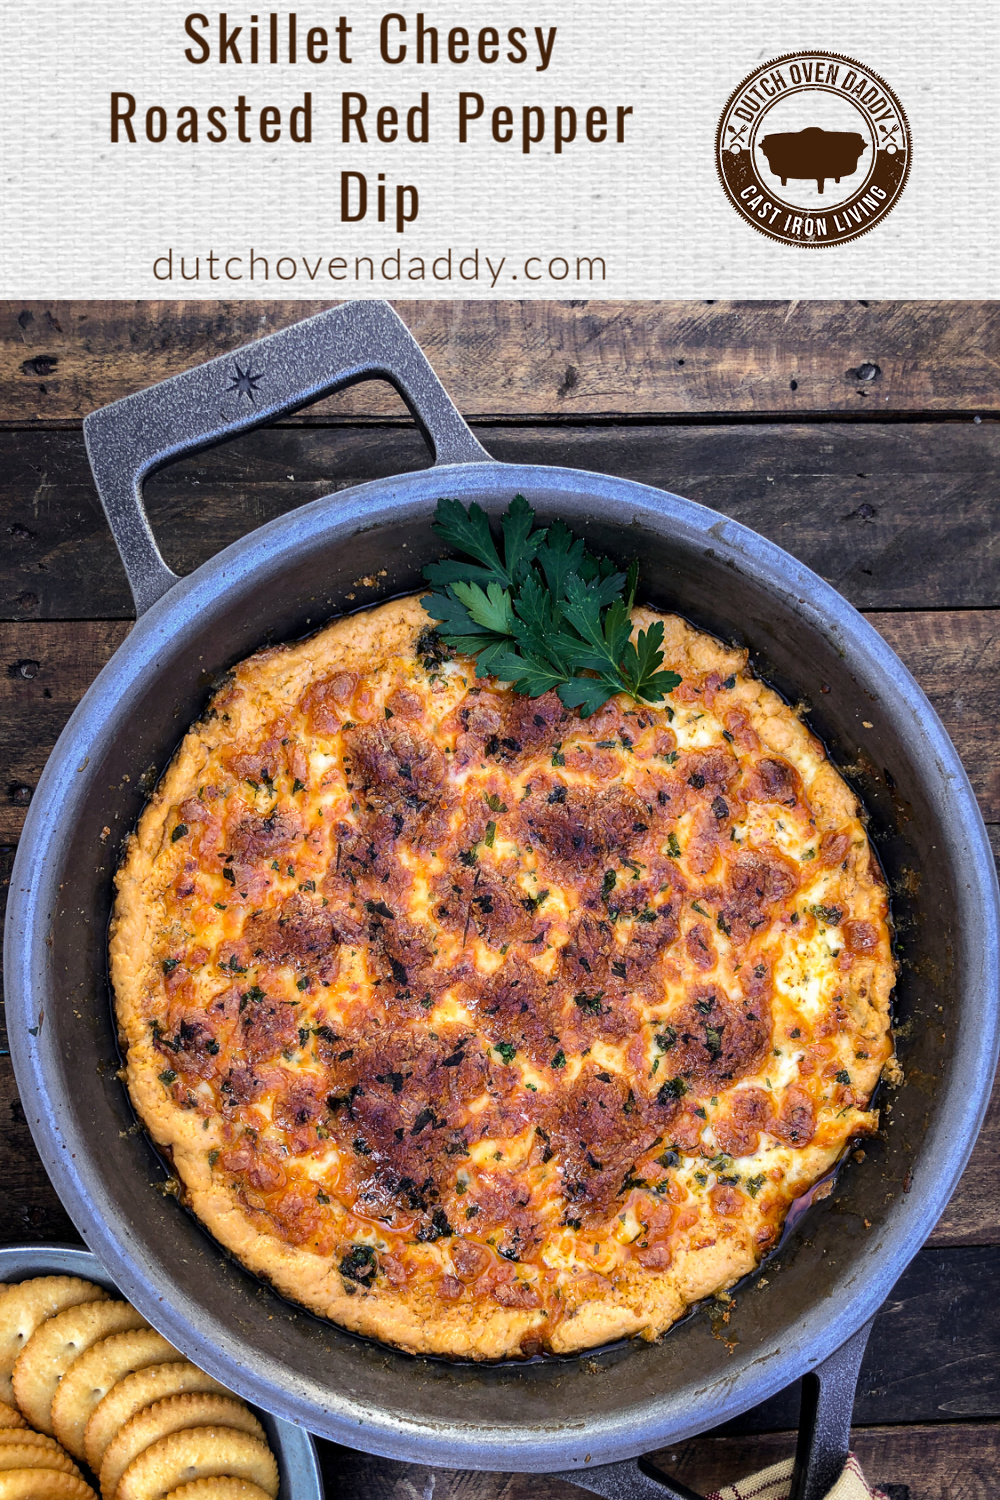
[[813, 149]]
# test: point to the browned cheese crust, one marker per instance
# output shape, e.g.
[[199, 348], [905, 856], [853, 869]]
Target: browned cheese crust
[[484, 1029]]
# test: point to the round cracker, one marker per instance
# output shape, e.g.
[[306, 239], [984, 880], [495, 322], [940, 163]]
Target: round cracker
[[176, 1414], [24, 1456], [54, 1346], [10, 1416], [133, 1394], [198, 1453], [43, 1484], [89, 1379], [219, 1489], [27, 1304], [33, 1439]]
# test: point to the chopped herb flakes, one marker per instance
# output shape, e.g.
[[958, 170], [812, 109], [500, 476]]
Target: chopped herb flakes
[[360, 1264], [674, 1088]]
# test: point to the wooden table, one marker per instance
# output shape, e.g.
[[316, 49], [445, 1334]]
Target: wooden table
[[862, 437]]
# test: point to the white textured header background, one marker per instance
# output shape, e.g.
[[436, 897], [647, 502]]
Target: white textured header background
[[80, 217]]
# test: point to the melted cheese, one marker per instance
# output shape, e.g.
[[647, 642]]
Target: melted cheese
[[484, 1029]]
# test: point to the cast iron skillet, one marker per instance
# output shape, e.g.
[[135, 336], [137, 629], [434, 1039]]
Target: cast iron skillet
[[579, 1416]]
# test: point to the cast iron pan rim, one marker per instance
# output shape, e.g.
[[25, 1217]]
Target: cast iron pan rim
[[77, 1177]]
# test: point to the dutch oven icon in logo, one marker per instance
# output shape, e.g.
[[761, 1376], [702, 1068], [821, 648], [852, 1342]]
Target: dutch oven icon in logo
[[813, 149], [813, 153]]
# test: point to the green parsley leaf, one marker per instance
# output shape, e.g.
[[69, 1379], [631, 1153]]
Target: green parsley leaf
[[545, 615], [490, 609]]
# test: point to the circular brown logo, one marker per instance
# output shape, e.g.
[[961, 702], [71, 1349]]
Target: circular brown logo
[[813, 149]]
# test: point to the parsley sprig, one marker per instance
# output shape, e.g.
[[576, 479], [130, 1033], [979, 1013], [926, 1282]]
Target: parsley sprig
[[545, 614]]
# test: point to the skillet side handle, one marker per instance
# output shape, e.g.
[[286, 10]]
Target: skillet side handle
[[255, 384], [828, 1394], [823, 1443]]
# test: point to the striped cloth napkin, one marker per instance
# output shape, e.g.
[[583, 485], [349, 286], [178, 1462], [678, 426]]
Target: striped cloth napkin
[[774, 1483]]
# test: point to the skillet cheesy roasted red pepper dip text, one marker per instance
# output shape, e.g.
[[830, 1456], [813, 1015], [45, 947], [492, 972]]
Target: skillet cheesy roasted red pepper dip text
[[485, 1029]]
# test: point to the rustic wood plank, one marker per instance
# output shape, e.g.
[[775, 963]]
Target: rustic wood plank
[[955, 656], [897, 517], [46, 666], [950, 1461], [972, 1216], [45, 670], [31, 1210], [953, 1461], [59, 360], [932, 1353]]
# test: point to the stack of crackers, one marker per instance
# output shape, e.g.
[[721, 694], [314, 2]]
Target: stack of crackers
[[85, 1380]]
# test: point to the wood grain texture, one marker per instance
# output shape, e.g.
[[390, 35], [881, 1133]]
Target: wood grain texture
[[948, 1462], [44, 671], [955, 656], [59, 360], [931, 1355], [972, 1216], [952, 1461], [29, 1207], [895, 516]]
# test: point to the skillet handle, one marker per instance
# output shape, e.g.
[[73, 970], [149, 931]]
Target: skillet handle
[[823, 1443], [132, 438]]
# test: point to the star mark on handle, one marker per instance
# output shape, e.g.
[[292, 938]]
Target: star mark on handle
[[244, 382]]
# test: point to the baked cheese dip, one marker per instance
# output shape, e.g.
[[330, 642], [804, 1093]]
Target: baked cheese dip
[[485, 1029]]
